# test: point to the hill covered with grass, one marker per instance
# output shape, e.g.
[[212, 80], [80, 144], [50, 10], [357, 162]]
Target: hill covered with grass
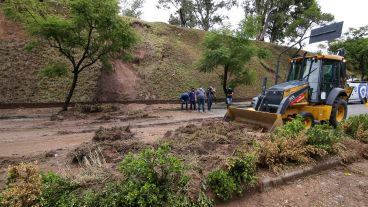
[[161, 67]]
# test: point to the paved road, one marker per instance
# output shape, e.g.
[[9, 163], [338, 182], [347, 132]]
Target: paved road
[[356, 109]]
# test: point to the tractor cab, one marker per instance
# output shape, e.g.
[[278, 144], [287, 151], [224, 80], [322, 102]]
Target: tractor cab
[[322, 73]]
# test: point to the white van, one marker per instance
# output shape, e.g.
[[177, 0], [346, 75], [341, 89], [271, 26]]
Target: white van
[[359, 93]]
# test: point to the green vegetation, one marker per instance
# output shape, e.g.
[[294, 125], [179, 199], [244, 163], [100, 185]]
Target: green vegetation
[[293, 144], [241, 173], [165, 52], [156, 177], [31, 46], [92, 30], [56, 190], [52, 70], [132, 8], [150, 178], [291, 129], [201, 14], [222, 184], [324, 136], [355, 43], [357, 127], [279, 20], [230, 51]]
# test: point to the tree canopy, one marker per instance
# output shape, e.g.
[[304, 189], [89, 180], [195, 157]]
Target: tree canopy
[[355, 42], [229, 51], [202, 14], [281, 19], [83, 31], [132, 8]]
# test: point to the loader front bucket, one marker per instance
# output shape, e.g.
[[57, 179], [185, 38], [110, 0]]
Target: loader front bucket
[[266, 120]]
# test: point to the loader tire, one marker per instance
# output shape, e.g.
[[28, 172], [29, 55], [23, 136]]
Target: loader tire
[[363, 101], [339, 112], [308, 119]]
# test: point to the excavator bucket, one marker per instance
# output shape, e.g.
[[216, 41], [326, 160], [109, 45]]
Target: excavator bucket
[[266, 120]]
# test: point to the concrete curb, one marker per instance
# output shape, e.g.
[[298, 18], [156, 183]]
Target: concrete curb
[[268, 183]]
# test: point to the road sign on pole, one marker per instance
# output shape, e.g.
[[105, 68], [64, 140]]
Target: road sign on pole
[[326, 33]]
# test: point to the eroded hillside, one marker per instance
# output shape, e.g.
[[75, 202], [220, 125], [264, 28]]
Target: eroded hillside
[[161, 68]]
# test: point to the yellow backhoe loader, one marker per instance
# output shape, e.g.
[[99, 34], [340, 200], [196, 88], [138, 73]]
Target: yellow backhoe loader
[[316, 89]]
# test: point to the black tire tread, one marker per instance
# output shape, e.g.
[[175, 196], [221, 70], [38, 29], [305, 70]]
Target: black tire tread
[[337, 102], [307, 114]]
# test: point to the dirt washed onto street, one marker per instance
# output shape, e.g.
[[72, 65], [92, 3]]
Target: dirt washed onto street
[[202, 140], [342, 186], [29, 131], [40, 135]]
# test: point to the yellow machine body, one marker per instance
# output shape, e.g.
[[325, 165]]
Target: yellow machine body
[[284, 101]]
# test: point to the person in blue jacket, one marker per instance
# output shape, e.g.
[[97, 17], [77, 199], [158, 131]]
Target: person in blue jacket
[[192, 99], [184, 98]]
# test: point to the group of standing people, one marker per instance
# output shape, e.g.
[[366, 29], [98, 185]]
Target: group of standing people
[[198, 98]]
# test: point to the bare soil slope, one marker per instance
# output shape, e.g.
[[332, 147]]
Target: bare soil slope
[[20, 65], [161, 67]]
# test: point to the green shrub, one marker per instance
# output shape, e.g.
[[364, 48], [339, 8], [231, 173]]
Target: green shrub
[[203, 201], [291, 128], [357, 127], [56, 190], [153, 178], [222, 184], [243, 170], [52, 70], [324, 136]]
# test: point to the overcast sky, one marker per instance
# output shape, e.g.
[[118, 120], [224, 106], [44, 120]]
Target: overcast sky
[[354, 13]]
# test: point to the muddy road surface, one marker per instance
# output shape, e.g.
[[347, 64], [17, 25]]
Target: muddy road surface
[[342, 186], [28, 131], [31, 131]]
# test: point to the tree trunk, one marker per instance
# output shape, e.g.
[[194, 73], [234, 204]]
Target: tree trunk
[[183, 21], [261, 36], [71, 91], [361, 67], [224, 81]]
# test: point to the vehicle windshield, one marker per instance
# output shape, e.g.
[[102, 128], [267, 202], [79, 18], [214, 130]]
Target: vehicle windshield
[[309, 71], [306, 73]]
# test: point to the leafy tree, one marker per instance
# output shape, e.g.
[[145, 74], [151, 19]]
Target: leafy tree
[[203, 14], [132, 8], [183, 15], [229, 51], [307, 14], [280, 19], [355, 41], [83, 31]]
